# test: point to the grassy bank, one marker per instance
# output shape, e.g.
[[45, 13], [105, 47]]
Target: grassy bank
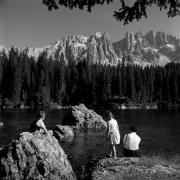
[[147, 167], [162, 159]]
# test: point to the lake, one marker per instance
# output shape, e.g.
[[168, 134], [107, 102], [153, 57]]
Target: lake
[[158, 129]]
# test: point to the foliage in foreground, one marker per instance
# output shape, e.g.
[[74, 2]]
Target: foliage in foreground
[[128, 11]]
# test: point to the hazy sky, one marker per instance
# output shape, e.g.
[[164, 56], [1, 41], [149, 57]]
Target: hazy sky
[[29, 23]]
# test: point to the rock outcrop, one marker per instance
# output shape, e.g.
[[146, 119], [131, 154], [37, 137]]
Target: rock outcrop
[[63, 133], [97, 48], [82, 117], [152, 48], [35, 156], [156, 48], [133, 168]]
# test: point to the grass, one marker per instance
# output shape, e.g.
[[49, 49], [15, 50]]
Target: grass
[[155, 166], [160, 159]]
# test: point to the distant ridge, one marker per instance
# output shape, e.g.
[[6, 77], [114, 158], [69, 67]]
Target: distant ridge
[[152, 48]]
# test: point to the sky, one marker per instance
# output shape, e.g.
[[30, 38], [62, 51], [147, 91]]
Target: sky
[[29, 23]]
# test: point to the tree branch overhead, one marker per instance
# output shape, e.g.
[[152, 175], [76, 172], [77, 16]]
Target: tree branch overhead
[[126, 13]]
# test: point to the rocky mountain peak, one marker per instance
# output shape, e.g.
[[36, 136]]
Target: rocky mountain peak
[[149, 48], [155, 48], [130, 41], [151, 37]]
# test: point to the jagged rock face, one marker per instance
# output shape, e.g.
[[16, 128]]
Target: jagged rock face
[[153, 48], [63, 133], [130, 41], [97, 48], [35, 156], [156, 48], [82, 117]]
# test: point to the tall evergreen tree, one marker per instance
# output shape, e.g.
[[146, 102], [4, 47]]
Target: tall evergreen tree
[[138, 82], [124, 79], [130, 91], [14, 81], [43, 91]]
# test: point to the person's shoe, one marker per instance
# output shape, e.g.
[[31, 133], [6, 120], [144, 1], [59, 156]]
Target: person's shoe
[[109, 156]]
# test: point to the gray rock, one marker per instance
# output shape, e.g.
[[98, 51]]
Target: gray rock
[[82, 117], [35, 156], [63, 133]]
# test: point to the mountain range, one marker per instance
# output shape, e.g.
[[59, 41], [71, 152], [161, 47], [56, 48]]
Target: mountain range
[[152, 48]]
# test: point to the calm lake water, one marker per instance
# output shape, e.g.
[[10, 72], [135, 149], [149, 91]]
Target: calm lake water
[[159, 130]]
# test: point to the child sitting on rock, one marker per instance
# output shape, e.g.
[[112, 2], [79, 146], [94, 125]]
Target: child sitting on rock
[[38, 125]]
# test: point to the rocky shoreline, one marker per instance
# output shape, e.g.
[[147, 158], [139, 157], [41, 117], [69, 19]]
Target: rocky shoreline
[[40, 156], [113, 105], [52, 105], [35, 156]]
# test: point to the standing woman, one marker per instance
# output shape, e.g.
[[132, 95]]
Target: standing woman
[[112, 133], [38, 124]]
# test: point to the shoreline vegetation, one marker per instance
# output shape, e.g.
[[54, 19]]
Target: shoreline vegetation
[[111, 105]]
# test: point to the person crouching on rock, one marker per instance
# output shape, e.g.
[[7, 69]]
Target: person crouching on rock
[[112, 134], [131, 143], [38, 124]]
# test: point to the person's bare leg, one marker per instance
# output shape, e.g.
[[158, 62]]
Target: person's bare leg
[[111, 150], [114, 151]]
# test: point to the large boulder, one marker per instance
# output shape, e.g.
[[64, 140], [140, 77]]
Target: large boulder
[[63, 133], [82, 117], [134, 168], [35, 156]]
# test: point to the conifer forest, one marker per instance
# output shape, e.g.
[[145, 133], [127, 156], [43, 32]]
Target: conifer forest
[[24, 80]]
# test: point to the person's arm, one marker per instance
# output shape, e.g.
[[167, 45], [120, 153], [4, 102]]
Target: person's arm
[[44, 127], [107, 131], [117, 127], [139, 141], [124, 139]]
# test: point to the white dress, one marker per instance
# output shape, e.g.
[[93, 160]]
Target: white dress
[[114, 134]]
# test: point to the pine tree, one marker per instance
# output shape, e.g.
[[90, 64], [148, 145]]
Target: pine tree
[[138, 82], [158, 84], [3, 67], [25, 76], [43, 91], [107, 80], [130, 91], [14, 76], [124, 79]]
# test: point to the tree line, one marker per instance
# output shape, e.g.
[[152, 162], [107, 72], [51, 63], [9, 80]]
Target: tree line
[[24, 80]]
